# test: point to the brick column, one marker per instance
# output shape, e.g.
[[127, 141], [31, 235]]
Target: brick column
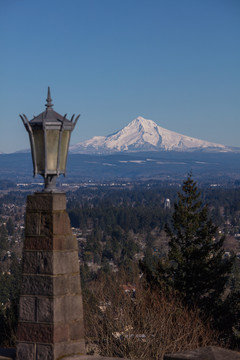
[[51, 314]]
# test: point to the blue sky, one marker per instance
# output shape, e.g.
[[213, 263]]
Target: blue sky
[[176, 62]]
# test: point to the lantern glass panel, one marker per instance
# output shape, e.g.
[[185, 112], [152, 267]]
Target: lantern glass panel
[[52, 139], [64, 150], [38, 136]]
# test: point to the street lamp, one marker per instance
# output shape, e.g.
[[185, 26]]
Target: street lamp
[[49, 135]]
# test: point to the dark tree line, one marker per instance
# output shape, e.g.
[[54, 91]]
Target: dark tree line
[[106, 217]]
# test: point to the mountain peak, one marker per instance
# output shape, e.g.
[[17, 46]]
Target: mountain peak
[[144, 135], [141, 120]]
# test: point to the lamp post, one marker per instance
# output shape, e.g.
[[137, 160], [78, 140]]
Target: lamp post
[[49, 135], [50, 324]]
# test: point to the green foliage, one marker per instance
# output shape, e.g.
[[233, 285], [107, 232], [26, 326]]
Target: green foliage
[[235, 276], [138, 210], [197, 268], [115, 219], [227, 319], [10, 226], [3, 240], [9, 300]]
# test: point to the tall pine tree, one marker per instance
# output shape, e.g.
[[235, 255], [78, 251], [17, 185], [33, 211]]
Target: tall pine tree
[[196, 268]]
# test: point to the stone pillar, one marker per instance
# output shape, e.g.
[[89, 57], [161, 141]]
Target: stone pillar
[[51, 315]]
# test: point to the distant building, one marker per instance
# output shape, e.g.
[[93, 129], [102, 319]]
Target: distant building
[[167, 204]]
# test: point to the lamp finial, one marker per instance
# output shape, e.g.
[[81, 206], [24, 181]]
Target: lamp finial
[[49, 104]]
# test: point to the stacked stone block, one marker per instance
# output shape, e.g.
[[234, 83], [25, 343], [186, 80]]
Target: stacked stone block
[[51, 314]]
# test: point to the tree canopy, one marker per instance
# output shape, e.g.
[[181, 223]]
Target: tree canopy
[[197, 267]]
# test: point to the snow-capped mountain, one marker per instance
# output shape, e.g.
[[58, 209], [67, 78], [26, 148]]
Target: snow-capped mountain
[[144, 135]]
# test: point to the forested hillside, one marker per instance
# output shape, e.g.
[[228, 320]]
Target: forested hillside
[[132, 221], [123, 241]]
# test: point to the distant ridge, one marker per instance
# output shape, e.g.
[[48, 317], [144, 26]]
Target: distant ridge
[[145, 135]]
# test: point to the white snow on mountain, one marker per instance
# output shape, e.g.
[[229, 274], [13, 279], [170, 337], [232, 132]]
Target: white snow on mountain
[[144, 135]]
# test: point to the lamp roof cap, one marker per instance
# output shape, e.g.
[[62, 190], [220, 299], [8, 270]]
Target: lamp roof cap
[[49, 116]]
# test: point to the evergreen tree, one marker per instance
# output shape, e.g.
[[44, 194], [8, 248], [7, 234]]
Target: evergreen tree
[[10, 226], [197, 268], [3, 240]]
